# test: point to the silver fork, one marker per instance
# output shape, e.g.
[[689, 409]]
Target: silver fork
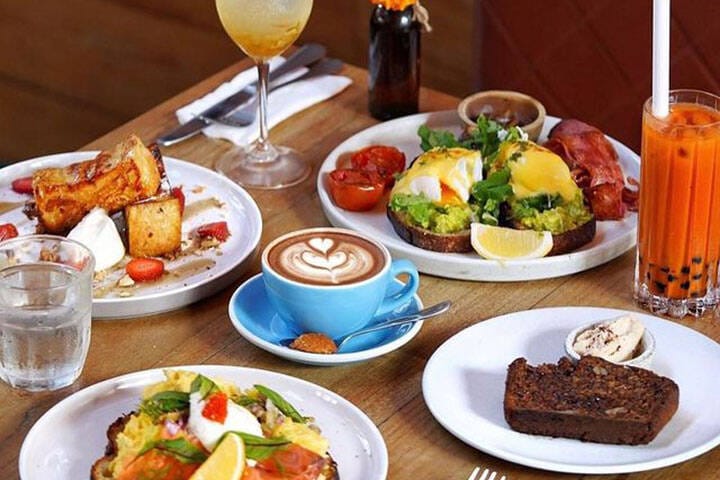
[[485, 475]]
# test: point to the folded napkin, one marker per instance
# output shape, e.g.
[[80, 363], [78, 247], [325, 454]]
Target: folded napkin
[[282, 102]]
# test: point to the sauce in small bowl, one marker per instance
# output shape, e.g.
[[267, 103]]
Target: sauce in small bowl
[[505, 107]]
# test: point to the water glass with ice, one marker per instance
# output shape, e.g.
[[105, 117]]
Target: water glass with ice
[[45, 311]]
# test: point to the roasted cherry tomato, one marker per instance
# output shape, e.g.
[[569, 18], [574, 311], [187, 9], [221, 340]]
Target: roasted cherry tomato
[[178, 193], [145, 269], [7, 230], [356, 190], [217, 230], [22, 185], [386, 161]]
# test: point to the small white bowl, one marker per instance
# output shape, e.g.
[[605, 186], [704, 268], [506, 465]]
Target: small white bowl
[[643, 360]]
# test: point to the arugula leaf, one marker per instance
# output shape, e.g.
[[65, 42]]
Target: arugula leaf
[[180, 448], [539, 203], [165, 402], [490, 193], [430, 139], [259, 448], [283, 405], [203, 385]]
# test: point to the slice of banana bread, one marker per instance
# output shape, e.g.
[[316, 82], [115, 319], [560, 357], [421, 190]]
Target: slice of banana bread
[[593, 400]]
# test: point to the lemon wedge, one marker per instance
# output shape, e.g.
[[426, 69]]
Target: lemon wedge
[[226, 462], [500, 243]]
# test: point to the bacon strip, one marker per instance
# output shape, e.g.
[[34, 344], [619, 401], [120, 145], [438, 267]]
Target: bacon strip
[[595, 168]]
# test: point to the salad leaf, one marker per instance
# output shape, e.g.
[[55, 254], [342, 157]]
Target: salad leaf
[[259, 448], [165, 402], [203, 385], [180, 448], [283, 405], [430, 139], [490, 193], [486, 137]]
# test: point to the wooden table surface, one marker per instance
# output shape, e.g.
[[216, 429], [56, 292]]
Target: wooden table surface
[[388, 388]]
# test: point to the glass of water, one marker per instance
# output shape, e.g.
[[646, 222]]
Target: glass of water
[[45, 311]]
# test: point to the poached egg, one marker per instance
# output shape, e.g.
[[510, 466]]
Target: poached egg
[[209, 432], [444, 175], [536, 170]]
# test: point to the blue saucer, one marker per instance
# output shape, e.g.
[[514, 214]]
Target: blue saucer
[[256, 320]]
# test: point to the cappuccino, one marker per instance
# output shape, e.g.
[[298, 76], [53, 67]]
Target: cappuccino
[[326, 257]]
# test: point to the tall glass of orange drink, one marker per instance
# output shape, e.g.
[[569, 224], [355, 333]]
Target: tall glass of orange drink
[[678, 250]]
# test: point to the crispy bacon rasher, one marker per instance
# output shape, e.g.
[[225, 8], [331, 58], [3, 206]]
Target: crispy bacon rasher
[[595, 168]]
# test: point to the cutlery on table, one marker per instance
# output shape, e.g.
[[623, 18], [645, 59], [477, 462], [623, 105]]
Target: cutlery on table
[[245, 115], [424, 314], [303, 56]]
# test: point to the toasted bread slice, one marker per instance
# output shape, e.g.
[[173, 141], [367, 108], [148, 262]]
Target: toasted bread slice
[[460, 242], [111, 180], [154, 227], [427, 239]]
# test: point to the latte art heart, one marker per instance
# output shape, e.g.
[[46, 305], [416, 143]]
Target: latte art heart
[[321, 244], [330, 262], [326, 259]]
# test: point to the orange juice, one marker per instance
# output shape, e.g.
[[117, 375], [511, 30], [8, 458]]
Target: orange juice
[[678, 241]]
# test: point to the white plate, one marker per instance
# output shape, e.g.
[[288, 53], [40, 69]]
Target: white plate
[[613, 238], [238, 210], [64, 443], [254, 318], [464, 384]]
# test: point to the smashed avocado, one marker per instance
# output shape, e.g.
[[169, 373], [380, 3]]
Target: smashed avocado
[[422, 212], [549, 213]]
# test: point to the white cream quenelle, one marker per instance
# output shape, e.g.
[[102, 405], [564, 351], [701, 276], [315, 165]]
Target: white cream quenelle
[[97, 232], [615, 340]]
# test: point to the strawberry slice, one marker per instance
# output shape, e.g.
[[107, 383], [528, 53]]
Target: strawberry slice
[[217, 230], [7, 230], [178, 193], [145, 269], [23, 185]]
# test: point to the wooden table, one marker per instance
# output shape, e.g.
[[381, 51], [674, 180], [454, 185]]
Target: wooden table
[[387, 389]]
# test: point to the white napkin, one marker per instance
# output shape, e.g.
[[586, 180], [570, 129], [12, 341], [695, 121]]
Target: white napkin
[[282, 102]]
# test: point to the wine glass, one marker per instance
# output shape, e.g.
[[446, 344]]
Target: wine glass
[[264, 29]]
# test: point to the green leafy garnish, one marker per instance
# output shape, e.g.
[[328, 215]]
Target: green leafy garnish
[[490, 193], [283, 405], [179, 448], [430, 139], [204, 386], [486, 137], [540, 203], [258, 448], [165, 402]]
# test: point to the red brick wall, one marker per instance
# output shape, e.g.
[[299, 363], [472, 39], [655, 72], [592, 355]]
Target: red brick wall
[[592, 59]]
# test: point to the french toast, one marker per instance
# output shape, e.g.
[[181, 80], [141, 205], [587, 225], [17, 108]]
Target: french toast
[[112, 180]]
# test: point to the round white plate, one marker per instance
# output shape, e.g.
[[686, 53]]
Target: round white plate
[[199, 184], [464, 384], [613, 238], [255, 319], [64, 443]]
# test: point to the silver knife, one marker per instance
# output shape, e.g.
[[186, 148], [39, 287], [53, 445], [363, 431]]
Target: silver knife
[[305, 55]]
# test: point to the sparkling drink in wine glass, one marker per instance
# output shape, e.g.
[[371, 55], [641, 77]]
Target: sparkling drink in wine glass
[[264, 29]]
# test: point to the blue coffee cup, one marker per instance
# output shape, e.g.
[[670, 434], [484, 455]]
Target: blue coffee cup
[[311, 303]]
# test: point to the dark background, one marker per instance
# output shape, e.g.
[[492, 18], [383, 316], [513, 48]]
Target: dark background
[[72, 70]]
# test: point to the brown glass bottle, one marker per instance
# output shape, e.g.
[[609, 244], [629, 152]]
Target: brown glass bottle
[[394, 63]]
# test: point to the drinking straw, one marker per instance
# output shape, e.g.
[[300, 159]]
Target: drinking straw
[[661, 58]]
